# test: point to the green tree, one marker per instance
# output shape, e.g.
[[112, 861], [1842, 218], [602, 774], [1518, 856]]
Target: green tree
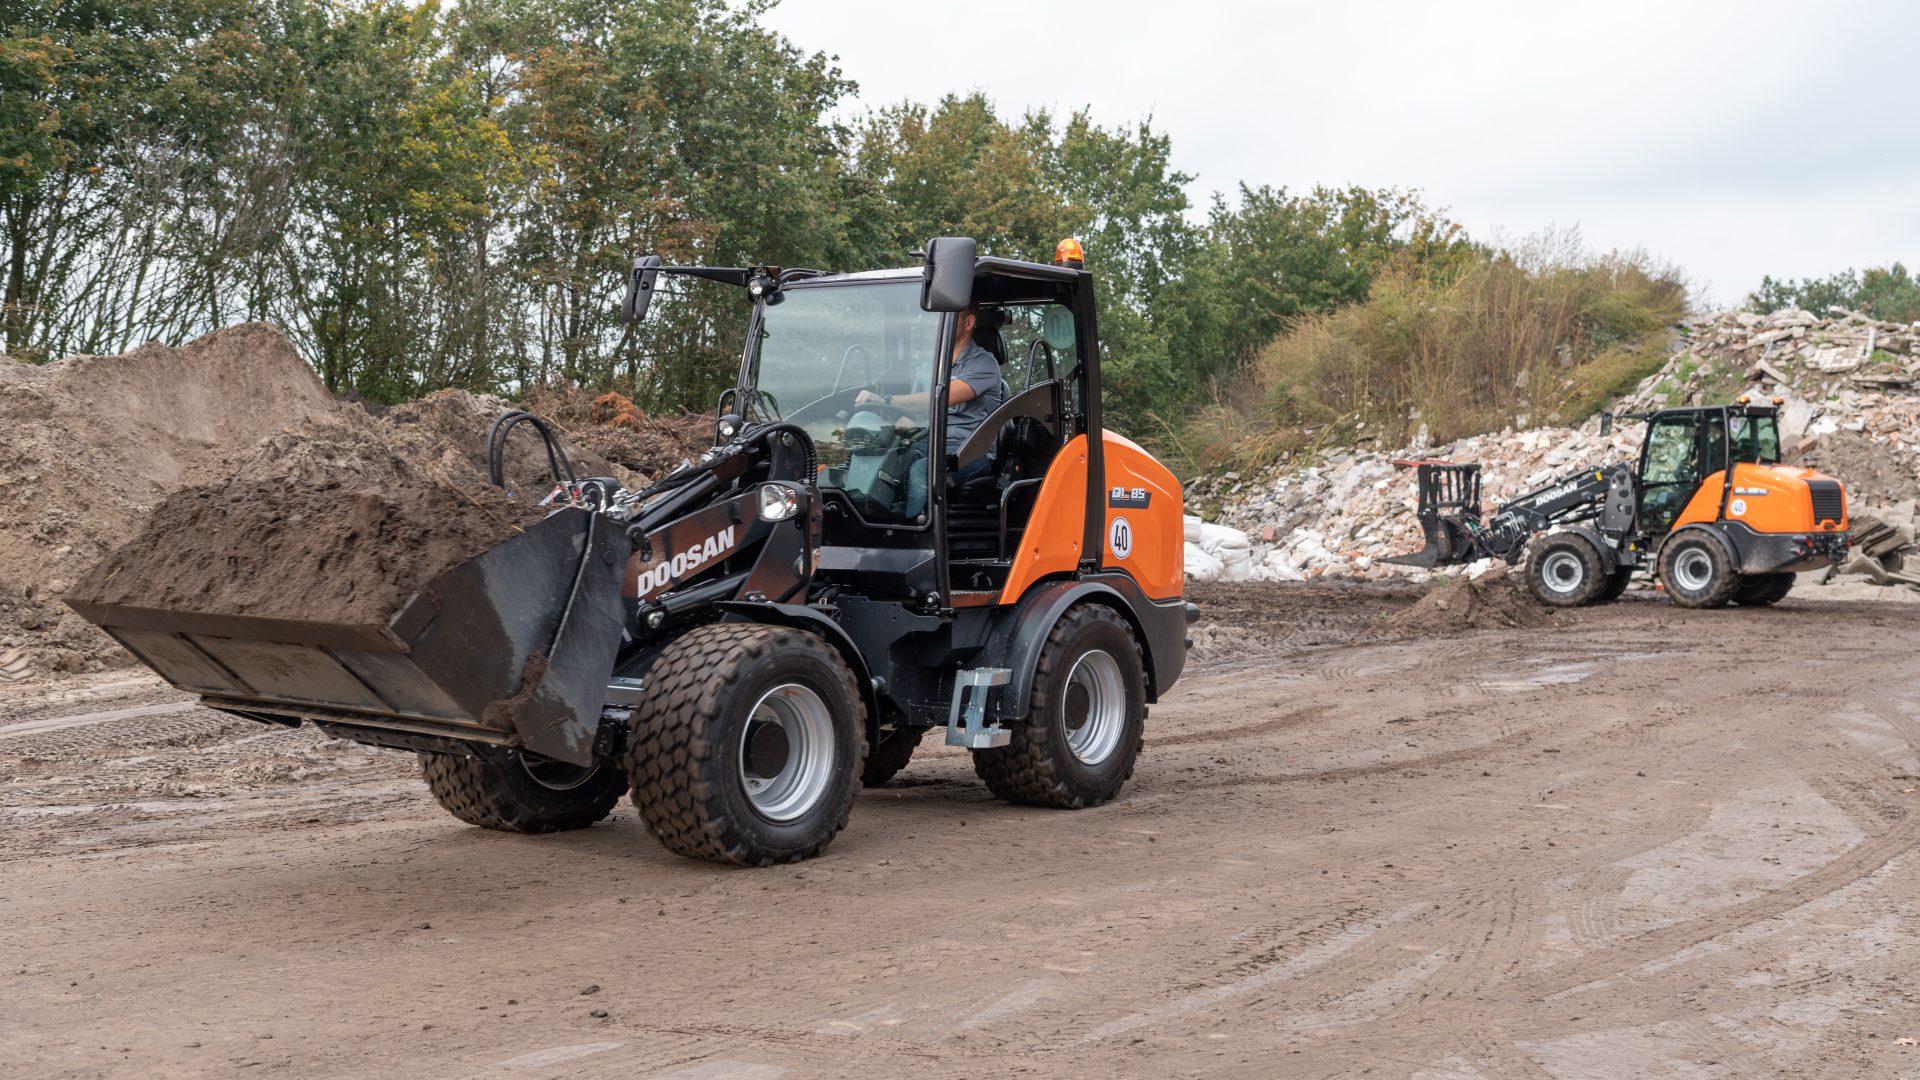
[[958, 170], [1889, 293], [683, 128], [79, 81]]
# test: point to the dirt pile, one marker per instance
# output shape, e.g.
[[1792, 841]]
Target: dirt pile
[[91, 445], [612, 426], [1495, 600], [343, 550]]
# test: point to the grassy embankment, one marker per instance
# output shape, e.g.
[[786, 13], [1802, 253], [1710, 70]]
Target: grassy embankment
[[1543, 335]]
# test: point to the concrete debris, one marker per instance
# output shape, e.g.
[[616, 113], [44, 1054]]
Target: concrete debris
[[1339, 514]]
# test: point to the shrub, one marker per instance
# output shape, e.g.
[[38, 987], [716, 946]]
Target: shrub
[[1539, 334]]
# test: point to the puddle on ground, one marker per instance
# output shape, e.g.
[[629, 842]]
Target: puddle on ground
[[1556, 675]]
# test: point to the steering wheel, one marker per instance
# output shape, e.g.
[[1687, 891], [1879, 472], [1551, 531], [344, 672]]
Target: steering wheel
[[889, 413]]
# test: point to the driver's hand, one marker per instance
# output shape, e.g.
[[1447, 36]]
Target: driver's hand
[[867, 397]]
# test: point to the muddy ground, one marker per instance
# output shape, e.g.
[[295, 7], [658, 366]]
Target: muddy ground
[[1638, 842]]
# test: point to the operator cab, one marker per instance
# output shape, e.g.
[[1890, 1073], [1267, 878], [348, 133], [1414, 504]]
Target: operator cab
[[893, 525], [1685, 446]]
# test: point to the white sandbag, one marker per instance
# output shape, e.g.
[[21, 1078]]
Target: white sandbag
[[1216, 539], [1202, 566]]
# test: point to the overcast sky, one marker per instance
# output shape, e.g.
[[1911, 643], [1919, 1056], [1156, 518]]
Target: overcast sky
[[1735, 140]]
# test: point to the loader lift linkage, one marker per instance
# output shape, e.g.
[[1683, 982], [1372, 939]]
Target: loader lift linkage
[[747, 640], [1709, 511]]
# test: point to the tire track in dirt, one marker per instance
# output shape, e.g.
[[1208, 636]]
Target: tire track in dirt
[[1291, 720], [1657, 944], [24, 728]]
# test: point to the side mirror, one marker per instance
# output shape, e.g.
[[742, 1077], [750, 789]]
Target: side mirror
[[646, 270], [1606, 424], [947, 282]]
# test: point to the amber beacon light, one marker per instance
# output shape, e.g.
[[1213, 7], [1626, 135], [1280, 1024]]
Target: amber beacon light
[[1068, 253]]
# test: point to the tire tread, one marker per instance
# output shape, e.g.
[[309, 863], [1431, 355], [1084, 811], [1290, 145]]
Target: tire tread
[[669, 747], [1026, 770], [473, 790]]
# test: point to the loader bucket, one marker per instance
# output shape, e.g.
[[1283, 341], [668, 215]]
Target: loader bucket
[[512, 648]]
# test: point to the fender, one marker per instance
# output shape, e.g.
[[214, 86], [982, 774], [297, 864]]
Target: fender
[[802, 617], [1719, 537], [1609, 558], [1020, 632]]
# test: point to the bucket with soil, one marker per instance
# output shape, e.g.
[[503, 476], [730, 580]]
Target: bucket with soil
[[417, 608]]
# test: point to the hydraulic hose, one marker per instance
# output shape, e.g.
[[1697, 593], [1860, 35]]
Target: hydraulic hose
[[503, 425], [765, 432]]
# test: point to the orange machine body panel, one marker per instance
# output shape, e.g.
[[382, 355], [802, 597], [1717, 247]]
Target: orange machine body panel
[[1142, 528], [1766, 498], [1145, 533], [1051, 544]]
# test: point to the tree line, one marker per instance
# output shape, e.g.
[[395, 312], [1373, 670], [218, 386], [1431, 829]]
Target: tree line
[[429, 196], [1882, 292]]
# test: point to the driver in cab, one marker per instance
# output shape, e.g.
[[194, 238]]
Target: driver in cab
[[972, 395]]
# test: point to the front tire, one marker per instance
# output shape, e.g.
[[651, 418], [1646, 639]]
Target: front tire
[[1697, 572], [515, 792], [1085, 720], [1616, 586], [1763, 590], [1564, 570], [749, 745]]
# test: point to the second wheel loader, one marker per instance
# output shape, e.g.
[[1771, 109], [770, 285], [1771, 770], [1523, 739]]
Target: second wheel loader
[[744, 642], [1709, 511]]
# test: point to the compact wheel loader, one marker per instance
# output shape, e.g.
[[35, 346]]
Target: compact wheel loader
[[746, 641], [1709, 511]]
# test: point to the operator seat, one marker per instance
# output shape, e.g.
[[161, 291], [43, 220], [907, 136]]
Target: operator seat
[[875, 475]]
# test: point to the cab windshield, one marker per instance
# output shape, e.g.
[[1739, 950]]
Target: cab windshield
[[818, 348]]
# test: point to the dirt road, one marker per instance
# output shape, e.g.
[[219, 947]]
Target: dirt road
[[1643, 843]]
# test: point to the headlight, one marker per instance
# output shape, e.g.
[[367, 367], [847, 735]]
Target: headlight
[[778, 502]]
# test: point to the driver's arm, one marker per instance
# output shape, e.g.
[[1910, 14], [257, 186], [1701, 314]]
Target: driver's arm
[[958, 391]]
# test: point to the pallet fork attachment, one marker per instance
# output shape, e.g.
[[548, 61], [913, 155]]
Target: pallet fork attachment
[[1449, 511]]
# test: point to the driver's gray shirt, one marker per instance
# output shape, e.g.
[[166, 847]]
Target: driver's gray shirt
[[977, 368]]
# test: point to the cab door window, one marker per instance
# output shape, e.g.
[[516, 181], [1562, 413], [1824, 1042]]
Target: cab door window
[[1669, 470]]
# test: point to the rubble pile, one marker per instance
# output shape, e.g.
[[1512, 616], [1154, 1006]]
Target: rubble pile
[[1348, 510], [1791, 352], [1850, 390]]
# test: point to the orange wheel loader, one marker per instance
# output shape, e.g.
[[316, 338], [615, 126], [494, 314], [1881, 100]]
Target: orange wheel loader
[[746, 641], [1710, 512]]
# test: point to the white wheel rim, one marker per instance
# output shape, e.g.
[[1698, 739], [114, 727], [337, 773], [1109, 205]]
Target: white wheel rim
[[1562, 572], [1693, 569], [785, 757], [1094, 707]]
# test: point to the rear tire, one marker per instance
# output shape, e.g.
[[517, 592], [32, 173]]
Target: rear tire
[[514, 792], [1762, 590], [749, 745], [890, 755], [1616, 585], [1565, 570], [1085, 720], [1697, 572]]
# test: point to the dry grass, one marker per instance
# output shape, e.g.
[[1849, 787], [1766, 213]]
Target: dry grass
[[1535, 335]]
